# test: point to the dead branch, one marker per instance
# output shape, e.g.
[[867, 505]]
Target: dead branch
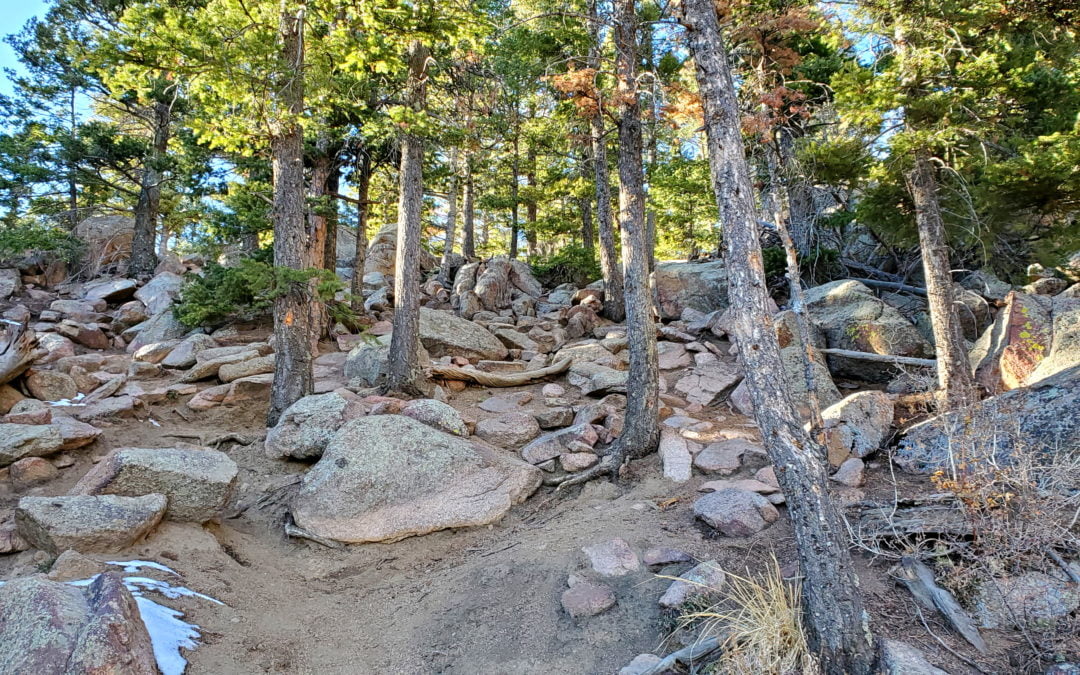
[[883, 358], [498, 379], [919, 579], [894, 286]]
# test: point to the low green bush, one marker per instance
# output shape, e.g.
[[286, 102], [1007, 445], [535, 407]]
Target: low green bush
[[248, 290], [17, 241], [571, 265]]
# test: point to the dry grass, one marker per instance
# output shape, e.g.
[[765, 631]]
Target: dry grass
[[759, 623]]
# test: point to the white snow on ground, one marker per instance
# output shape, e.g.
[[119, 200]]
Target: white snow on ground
[[68, 401], [169, 633]]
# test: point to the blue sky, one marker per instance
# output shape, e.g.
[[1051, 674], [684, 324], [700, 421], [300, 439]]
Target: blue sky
[[13, 14]]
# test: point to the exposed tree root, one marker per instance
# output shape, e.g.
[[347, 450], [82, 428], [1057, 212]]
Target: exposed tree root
[[498, 379]]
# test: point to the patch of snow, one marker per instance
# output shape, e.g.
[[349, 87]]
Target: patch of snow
[[154, 422], [68, 401], [133, 566]]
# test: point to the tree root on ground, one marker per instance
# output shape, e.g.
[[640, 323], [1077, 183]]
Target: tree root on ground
[[498, 379]]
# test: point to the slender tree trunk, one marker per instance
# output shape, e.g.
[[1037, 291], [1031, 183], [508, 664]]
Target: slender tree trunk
[[530, 203], [641, 430], [514, 196], [451, 221], [363, 187], [316, 212], [614, 304], [73, 188], [404, 375], [800, 200], [837, 625], [588, 230], [957, 386], [294, 330], [333, 185], [468, 242], [143, 258]]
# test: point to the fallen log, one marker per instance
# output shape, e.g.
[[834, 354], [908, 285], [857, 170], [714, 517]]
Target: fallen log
[[919, 579], [499, 379], [18, 350], [883, 358], [894, 286]]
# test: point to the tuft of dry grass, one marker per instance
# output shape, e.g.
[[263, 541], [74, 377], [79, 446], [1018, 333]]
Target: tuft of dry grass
[[759, 623]]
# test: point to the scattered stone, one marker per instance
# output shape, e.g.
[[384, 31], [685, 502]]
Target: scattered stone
[[704, 578], [555, 443], [27, 440], [857, 425], [196, 482], [593, 378], [642, 663], [587, 598], [444, 334], [30, 471], [390, 477], [75, 434], [708, 383], [72, 566], [185, 353], [1029, 600], [29, 411], [506, 402], [52, 627], [612, 558], [210, 367], [114, 406], [851, 473], [160, 327], [552, 390], [736, 513], [109, 290], [555, 417], [9, 396], [158, 293], [675, 456], [657, 557], [572, 462], [899, 658], [767, 475], [672, 355], [50, 385], [699, 286], [229, 372], [308, 425], [436, 414], [88, 524], [508, 430]]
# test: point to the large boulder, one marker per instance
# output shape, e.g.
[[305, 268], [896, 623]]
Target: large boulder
[[185, 354], [161, 327], [196, 482], [709, 382], [388, 477], [108, 239], [52, 628], [1065, 340], [369, 362], [109, 290], [1010, 349], [85, 523], [10, 282], [159, 292], [1041, 418], [700, 286], [436, 414], [852, 317], [444, 334], [381, 253], [857, 425], [307, 426], [736, 513]]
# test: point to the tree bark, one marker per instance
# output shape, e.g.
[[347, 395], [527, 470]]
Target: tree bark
[[451, 221], [514, 196], [143, 258], [363, 185], [333, 184], [614, 304], [294, 329], [641, 430], [404, 375], [955, 381], [468, 241], [837, 625]]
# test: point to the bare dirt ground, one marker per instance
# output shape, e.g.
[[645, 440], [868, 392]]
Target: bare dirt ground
[[482, 600]]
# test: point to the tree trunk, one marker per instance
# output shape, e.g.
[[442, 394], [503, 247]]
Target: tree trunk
[[73, 188], [294, 330], [143, 258], [451, 221], [614, 305], [800, 200], [514, 196], [333, 184], [404, 375], [837, 625], [957, 386], [468, 241], [316, 207], [641, 430], [588, 231], [363, 186]]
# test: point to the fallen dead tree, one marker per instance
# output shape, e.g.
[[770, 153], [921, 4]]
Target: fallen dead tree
[[499, 379], [882, 358]]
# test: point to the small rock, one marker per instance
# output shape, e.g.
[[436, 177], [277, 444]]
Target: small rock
[[706, 577], [50, 385], [436, 414], [850, 473], [553, 390], [72, 566], [572, 462], [555, 443], [676, 457], [736, 513], [767, 475], [555, 417], [508, 402], [641, 663], [898, 658], [31, 471], [656, 557], [586, 598], [27, 440], [613, 558], [509, 430]]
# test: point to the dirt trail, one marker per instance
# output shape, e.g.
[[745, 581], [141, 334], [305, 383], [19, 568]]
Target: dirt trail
[[480, 600]]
